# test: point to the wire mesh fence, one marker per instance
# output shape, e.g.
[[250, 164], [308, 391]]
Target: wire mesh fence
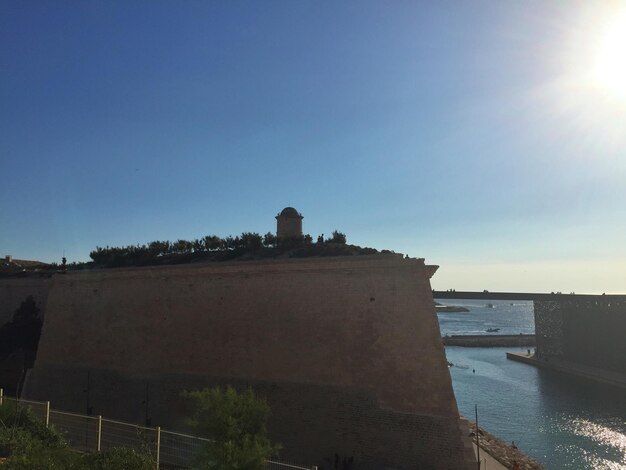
[[80, 431], [171, 450], [39, 408], [119, 434], [180, 450]]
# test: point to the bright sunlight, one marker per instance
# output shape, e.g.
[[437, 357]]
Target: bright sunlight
[[609, 71], [587, 96]]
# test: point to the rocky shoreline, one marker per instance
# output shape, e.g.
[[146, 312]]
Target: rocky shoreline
[[503, 452]]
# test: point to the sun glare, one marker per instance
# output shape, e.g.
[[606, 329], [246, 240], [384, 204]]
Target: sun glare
[[587, 96], [609, 70]]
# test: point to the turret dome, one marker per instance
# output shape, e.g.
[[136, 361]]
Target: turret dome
[[289, 212]]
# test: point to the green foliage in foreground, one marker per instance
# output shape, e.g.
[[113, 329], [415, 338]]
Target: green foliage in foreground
[[28, 444], [119, 458], [236, 425], [18, 423]]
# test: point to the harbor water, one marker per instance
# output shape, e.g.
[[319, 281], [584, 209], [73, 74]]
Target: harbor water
[[561, 421]]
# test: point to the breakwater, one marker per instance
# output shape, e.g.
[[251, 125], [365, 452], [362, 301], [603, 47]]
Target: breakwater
[[486, 341]]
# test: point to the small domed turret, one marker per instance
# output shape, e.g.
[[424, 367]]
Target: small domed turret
[[289, 223]]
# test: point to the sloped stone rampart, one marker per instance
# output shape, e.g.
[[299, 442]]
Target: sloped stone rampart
[[346, 350]]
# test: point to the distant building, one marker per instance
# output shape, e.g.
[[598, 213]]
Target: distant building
[[9, 264], [289, 223]]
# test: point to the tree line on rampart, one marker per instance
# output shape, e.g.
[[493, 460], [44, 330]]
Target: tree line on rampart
[[222, 248], [247, 246]]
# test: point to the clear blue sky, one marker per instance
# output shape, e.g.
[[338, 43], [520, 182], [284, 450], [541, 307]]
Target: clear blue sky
[[462, 132]]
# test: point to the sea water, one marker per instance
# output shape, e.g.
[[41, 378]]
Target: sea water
[[561, 421], [512, 317]]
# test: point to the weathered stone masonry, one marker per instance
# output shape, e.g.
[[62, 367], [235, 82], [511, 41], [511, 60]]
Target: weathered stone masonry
[[347, 351]]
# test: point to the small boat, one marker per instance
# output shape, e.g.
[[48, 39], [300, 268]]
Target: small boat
[[450, 308], [490, 306], [492, 330]]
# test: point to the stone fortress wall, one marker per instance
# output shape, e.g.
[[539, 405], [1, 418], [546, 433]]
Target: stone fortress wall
[[346, 350], [14, 290], [588, 331]]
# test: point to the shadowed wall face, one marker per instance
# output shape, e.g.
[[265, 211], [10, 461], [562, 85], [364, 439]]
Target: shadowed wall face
[[329, 342], [589, 332], [548, 328], [14, 290]]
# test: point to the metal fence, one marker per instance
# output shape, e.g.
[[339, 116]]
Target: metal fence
[[171, 450], [274, 465]]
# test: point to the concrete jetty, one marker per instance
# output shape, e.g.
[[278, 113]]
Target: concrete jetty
[[486, 341], [579, 370]]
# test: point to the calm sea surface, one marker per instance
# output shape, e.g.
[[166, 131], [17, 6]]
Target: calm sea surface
[[563, 422]]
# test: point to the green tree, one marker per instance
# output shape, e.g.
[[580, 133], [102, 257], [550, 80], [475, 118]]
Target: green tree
[[251, 241], [198, 245], [338, 237], [235, 423], [182, 246], [213, 242], [100, 255], [158, 248], [269, 240], [232, 243]]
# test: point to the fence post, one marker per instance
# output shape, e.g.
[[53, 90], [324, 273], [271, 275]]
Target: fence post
[[99, 436], [47, 414], [1, 395], [158, 446]]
